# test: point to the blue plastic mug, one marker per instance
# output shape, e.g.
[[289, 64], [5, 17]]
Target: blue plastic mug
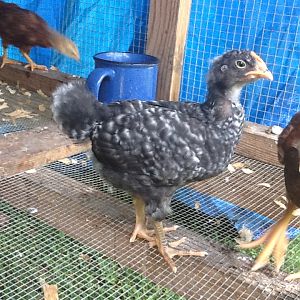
[[123, 76]]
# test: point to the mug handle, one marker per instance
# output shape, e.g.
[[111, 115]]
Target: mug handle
[[96, 77]]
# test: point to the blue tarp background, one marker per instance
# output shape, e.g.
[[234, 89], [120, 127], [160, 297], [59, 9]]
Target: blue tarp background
[[271, 28]]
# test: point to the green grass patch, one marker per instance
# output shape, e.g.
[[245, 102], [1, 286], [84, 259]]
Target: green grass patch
[[31, 250]]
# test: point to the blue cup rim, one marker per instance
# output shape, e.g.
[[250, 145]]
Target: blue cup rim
[[152, 59]]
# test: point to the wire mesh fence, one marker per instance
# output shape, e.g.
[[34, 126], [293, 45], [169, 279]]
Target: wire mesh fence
[[95, 26], [270, 28], [21, 109], [65, 225]]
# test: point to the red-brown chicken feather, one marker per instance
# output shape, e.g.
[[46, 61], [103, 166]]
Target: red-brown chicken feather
[[24, 29]]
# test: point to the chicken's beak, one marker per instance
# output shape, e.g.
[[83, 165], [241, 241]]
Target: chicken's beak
[[261, 70]]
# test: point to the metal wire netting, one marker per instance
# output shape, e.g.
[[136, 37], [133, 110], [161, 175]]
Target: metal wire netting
[[270, 28], [65, 225], [22, 110], [95, 26]]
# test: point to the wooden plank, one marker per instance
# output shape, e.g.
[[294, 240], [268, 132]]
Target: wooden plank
[[167, 30], [46, 81], [38, 150], [30, 149], [256, 143]]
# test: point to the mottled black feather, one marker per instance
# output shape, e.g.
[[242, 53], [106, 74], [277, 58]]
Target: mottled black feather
[[152, 148]]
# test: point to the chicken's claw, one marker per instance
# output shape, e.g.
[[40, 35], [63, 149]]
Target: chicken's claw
[[167, 250], [33, 67], [274, 240], [141, 232], [293, 276], [6, 61]]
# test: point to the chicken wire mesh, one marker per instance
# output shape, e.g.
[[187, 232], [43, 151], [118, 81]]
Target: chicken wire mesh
[[63, 224], [21, 109], [270, 28], [95, 26]]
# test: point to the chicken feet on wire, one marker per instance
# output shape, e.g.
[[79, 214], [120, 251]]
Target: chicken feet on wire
[[167, 250], [157, 237], [140, 229], [275, 242]]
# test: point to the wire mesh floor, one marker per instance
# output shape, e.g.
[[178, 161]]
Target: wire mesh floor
[[21, 109], [63, 224]]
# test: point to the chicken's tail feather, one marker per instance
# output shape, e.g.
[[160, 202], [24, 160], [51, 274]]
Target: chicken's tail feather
[[63, 44], [75, 109]]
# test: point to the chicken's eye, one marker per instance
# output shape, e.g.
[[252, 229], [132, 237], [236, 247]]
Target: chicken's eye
[[240, 64]]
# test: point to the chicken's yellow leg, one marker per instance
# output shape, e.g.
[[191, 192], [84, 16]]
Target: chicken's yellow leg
[[167, 251], [5, 60], [275, 241], [140, 229], [32, 65]]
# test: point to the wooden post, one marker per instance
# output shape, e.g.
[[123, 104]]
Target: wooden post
[[167, 31]]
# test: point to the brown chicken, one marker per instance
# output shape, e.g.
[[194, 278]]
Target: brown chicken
[[24, 29], [275, 240]]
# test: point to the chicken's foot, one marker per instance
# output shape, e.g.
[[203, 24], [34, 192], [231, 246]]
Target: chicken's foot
[[274, 240], [6, 61], [32, 65], [293, 276], [140, 229], [167, 250]]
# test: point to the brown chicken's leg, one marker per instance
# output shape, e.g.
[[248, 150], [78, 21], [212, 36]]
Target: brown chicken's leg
[[275, 241], [32, 65], [5, 60], [140, 229], [167, 250]]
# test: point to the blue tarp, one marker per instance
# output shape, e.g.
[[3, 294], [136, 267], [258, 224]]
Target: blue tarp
[[271, 28], [239, 217]]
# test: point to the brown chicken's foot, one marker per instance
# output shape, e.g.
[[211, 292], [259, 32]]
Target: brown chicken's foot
[[274, 240], [293, 276], [167, 251], [34, 66], [6, 61]]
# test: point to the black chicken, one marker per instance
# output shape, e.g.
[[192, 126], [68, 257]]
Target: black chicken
[[152, 148], [275, 239]]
